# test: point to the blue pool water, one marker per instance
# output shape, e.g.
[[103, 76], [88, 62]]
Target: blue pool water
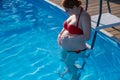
[[29, 49]]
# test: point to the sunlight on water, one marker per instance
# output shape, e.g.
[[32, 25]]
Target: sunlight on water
[[26, 52], [29, 49]]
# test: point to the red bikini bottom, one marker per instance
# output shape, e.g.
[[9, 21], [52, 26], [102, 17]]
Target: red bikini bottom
[[78, 51]]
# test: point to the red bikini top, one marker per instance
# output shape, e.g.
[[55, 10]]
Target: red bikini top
[[74, 29]]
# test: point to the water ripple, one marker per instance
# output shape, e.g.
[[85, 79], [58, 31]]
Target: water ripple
[[39, 61], [45, 75], [32, 73], [17, 45], [13, 55]]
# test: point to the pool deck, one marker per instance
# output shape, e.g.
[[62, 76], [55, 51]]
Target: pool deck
[[93, 9]]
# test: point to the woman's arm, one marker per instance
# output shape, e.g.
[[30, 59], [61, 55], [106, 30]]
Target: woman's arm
[[60, 34], [86, 27]]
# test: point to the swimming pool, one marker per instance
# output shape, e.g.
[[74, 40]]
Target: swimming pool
[[29, 49]]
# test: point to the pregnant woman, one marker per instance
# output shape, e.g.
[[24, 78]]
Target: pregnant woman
[[73, 37], [77, 27]]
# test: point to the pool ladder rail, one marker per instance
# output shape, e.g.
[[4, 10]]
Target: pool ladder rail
[[102, 20]]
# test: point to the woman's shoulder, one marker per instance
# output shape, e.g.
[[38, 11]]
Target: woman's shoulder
[[85, 15]]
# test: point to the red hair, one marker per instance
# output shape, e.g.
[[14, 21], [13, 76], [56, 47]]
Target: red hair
[[70, 3]]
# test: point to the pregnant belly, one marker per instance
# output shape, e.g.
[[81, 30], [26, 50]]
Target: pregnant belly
[[70, 45], [65, 33]]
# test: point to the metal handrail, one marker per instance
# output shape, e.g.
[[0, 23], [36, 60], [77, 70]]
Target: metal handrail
[[99, 18], [108, 5], [98, 22], [86, 7]]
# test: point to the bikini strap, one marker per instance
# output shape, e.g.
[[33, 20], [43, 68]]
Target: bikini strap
[[79, 16]]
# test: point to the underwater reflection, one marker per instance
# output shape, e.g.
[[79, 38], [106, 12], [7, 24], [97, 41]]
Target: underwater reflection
[[74, 63]]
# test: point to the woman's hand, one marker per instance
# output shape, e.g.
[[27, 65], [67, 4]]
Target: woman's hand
[[61, 37]]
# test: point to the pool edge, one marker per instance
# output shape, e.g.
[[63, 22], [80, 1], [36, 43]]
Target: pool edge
[[102, 30]]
